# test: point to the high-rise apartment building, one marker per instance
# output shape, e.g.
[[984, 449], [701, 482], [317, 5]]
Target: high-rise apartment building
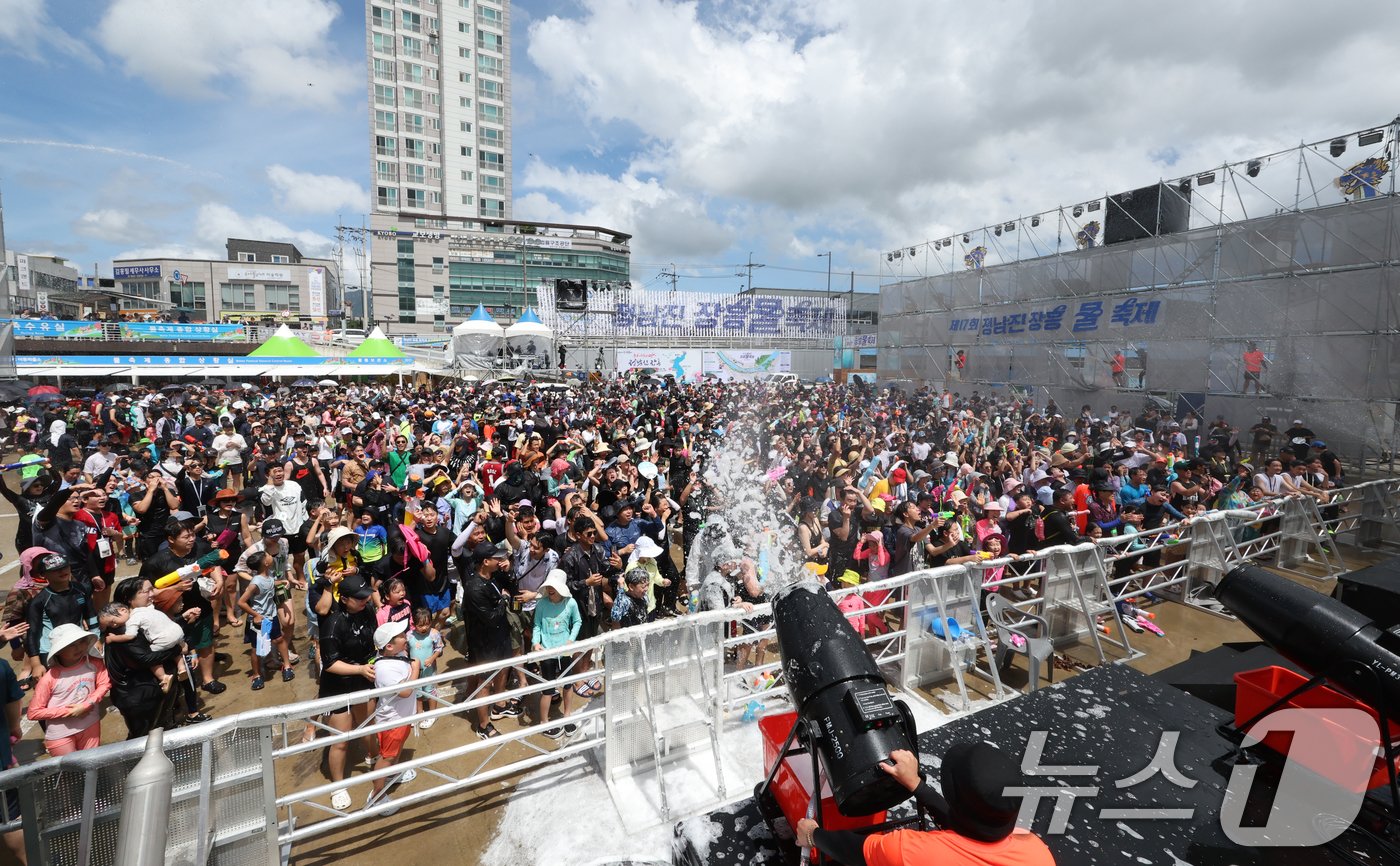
[[439, 102], [443, 239]]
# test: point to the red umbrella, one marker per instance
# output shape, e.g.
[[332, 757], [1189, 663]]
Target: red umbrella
[[42, 389]]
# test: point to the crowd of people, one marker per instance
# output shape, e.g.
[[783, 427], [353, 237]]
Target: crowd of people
[[358, 533]]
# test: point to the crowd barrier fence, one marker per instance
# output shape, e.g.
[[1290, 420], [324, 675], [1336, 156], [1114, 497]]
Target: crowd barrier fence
[[246, 793]]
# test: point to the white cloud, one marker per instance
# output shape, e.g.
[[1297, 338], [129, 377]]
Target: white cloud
[[215, 223], [26, 30], [302, 192], [893, 122], [278, 50], [114, 226]]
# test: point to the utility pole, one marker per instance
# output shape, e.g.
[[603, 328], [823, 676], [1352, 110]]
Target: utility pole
[[749, 267], [671, 275]]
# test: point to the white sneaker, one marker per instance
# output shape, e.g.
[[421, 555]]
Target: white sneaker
[[340, 800], [407, 776], [382, 799], [427, 723]]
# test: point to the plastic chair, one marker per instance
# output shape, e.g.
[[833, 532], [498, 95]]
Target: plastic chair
[[1032, 629]]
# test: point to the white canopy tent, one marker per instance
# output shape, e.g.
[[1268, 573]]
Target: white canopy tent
[[476, 342], [531, 342]]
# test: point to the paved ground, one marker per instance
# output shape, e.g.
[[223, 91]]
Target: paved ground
[[463, 825]]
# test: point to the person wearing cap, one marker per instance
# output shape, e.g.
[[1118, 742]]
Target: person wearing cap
[[484, 606], [227, 527], [648, 556], [259, 603], [977, 817], [58, 603], [347, 666], [393, 666], [68, 695], [284, 500], [557, 624], [1103, 508], [1299, 439], [58, 527], [153, 504], [27, 503]]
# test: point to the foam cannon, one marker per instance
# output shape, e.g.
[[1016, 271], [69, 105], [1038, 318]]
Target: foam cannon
[[844, 716]]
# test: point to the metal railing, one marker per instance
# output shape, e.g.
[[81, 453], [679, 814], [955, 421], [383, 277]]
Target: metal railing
[[242, 793]]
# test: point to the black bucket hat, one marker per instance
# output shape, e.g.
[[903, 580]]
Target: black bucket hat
[[975, 777]]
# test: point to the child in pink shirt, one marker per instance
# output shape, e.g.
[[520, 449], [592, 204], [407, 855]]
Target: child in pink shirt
[[68, 694]]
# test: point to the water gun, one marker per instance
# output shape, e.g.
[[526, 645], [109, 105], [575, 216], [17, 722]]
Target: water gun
[[10, 467], [982, 554], [1128, 609], [1132, 624], [947, 515], [1150, 626], [207, 562], [751, 710]]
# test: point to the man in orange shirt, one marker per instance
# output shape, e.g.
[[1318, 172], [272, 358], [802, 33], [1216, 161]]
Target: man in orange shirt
[[980, 818], [1254, 364]]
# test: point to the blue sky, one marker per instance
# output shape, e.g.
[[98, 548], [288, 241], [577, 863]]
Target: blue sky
[[707, 130]]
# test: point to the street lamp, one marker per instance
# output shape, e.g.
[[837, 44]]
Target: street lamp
[[827, 255]]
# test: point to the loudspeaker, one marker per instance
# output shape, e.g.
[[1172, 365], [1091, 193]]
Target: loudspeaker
[[1375, 591], [571, 295], [1142, 213]]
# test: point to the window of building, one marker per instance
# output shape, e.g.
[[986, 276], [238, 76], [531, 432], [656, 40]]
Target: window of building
[[491, 180], [282, 297], [489, 41], [237, 296], [386, 171], [384, 94], [467, 199], [466, 126], [145, 288], [281, 260], [462, 26], [464, 101], [489, 16], [412, 22], [467, 175], [405, 247], [381, 17], [413, 72], [494, 161], [384, 69], [413, 123], [385, 145], [413, 148], [464, 52], [383, 43], [435, 197], [464, 77], [493, 113], [492, 137], [387, 196], [413, 98], [488, 65], [437, 269], [247, 257], [493, 207], [492, 89], [415, 197], [412, 47], [466, 151]]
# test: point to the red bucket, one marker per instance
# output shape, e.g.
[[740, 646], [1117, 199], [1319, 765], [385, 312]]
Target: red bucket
[[792, 786], [1257, 690]]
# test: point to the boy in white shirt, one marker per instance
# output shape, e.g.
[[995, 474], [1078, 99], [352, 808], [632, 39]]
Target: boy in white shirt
[[391, 668]]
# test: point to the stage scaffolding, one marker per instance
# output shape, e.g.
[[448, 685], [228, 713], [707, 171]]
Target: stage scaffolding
[[1294, 252]]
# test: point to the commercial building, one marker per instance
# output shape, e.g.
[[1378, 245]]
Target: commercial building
[[41, 283], [428, 274], [260, 280]]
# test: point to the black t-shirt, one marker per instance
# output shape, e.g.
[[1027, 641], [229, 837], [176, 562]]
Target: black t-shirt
[[1299, 440], [962, 548], [347, 637], [164, 562], [439, 546], [484, 608], [903, 546], [840, 549], [61, 454]]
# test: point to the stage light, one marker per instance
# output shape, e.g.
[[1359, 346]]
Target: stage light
[[1078, 211], [1252, 167], [840, 696], [1366, 139], [1317, 633], [997, 231], [965, 239], [1339, 146], [899, 254], [1094, 205], [1184, 187], [1035, 221], [889, 257], [912, 252], [1203, 179], [1011, 227]]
